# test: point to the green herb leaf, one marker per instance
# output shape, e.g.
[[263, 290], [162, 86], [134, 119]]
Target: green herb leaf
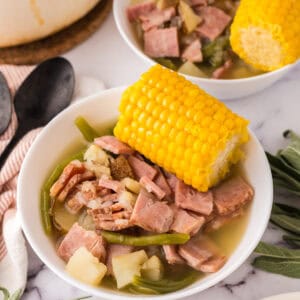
[[292, 152], [277, 252], [293, 240], [286, 267], [5, 293], [286, 222]]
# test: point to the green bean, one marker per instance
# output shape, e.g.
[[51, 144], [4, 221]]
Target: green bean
[[165, 285], [85, 128], [157, 239], [45, 192], [134, 289]]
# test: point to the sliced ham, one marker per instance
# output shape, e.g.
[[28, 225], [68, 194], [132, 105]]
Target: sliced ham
[[151, 187], [200, 250], [114, 185], [74, 167], [114, 250], [161, 42], [219, 221], [232, 194], [161, 181], [141, 168], [74, 180], [113, 145], [185, 222], [214, 264], [171, 255], [79, 237], [188, 198], [172, 181], [219, 72], [136, 10], [74, 205], [215, 21], [157, 17], [193, 52], [150, 214]]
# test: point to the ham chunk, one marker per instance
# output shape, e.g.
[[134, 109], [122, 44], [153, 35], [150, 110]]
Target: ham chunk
[[215, 22], [198, 2], [219, 72], [161, 181], [172, 181], [150, 214], [200, 251], [72, 183], [171, 255], [151, 187], [141, 168], [74, 167], [185, 222], [136, 10], [114, 185], [214, 264], [115, 250], [113, 145], [193, 52], [79, 237], [157, 17], [189, 198], [232, 194], [161, 42]]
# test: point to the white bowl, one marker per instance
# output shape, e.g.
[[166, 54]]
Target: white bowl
[[61, 134], [225, 89]]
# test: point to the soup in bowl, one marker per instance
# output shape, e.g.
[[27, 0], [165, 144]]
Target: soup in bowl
[[142, 266]]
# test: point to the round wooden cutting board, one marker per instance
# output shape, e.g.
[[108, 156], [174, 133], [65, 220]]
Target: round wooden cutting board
[[58, 43]]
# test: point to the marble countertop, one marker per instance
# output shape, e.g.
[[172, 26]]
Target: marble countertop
[[107, 57]]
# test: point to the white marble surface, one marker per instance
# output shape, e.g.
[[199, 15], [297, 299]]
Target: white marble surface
[[106, 56]]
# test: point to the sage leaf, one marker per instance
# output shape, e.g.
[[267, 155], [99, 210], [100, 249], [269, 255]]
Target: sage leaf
[[286, 267], [286, 222], [292, 152], [293, 240], [280, 208], [5, 293], [277, 252]]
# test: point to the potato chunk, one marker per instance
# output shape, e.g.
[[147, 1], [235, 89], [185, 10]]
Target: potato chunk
[[189, 17], [152, 269], [84, 266], [128, 265]]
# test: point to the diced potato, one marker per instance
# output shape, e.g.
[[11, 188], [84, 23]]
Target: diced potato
[[132, 185], [127, 199], [95, 154], [128, 265], [99, 170], [190, 69], [190, 19], [84, 266], [153, 268], [162, 4]]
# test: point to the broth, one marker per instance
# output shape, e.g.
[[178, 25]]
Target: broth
[[226, 238]]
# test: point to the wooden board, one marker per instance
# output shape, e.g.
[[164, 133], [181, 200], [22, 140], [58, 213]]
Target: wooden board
[[58, 43]]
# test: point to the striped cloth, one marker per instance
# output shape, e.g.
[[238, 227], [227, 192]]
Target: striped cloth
[[13, 252]]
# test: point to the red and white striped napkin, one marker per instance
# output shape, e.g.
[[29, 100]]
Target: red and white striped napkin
[[13, 253]]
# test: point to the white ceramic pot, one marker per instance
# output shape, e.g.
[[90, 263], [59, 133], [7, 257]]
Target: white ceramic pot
[[60, 135], [23, 21], [222, 89]]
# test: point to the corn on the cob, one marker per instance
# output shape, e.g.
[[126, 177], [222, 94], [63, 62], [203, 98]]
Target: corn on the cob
[[181, 128], [266, 34]]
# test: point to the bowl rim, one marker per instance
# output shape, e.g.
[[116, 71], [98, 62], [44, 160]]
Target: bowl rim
[[116, 12], [98, 291]]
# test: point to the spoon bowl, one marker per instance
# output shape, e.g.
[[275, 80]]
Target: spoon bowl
[[45, 92], [5, 104]]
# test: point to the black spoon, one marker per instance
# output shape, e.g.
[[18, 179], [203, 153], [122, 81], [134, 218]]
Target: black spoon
[[5, 104], [43, 94]]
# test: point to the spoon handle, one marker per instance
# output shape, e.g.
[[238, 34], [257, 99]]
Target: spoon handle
[[13, 142]]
